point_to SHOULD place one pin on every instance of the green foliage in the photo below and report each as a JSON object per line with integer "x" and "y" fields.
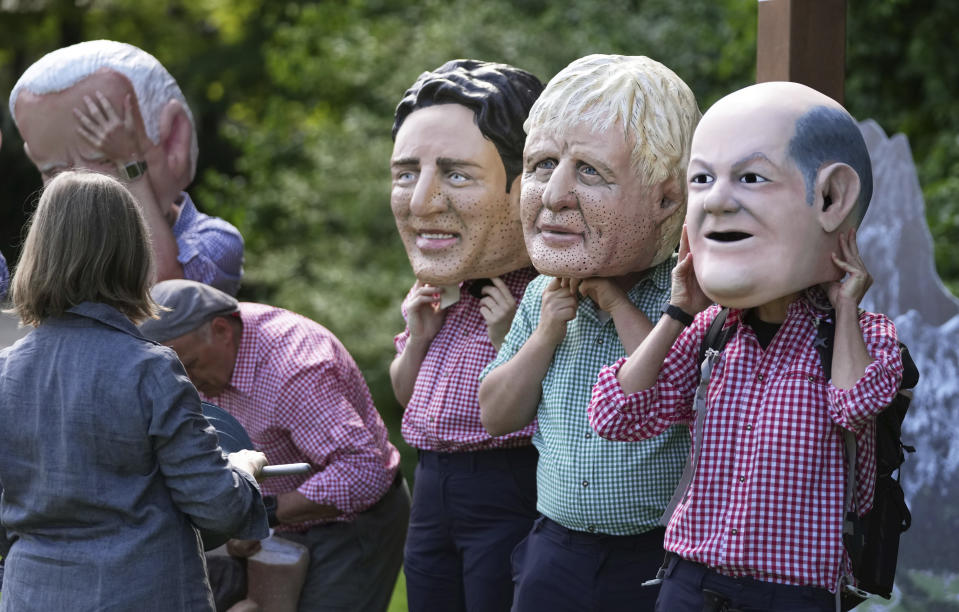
{"x": 901, "y": 72}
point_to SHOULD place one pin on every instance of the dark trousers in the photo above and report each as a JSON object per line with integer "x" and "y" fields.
{"x": 559, "y": 569}
{"x": 691, "y": 587}
{"x": 469, "y": 512}
{"x": 354, "y": 565}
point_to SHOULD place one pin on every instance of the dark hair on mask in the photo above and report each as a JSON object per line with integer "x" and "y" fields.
{"x": 499, "y": 95}
{"x": 825, "y": 135}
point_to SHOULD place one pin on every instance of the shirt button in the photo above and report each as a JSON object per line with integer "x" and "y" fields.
{"x": 591, "y": 529}
{"x": 760, "y": 377}
{"x": 432, "y": 420}
{"x": 599, "y": 341}
{"x": 585, "y": 483}
{"x": 589, "y": 434}
{"x": 466, "y": 332}
{"x": 734, "y": 531}
{"x": 749, "y": 427}
{"x": 810, "y": 379}
{"x": 742, "y": 479}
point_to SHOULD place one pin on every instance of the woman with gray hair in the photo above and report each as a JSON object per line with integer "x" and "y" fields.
{"x": 108, "y": 465}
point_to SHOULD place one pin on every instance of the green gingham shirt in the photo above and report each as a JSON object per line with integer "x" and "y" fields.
{"x": 584, "y": 482}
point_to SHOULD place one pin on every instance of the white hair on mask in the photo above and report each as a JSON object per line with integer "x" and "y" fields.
{"x": 152, "y": 85}
{"x": 653, "y": 106}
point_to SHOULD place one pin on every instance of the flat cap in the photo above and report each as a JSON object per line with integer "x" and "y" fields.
{"x": 191, "y": 304}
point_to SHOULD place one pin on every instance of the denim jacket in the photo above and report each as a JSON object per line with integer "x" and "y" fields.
{"x": 108, "y": 468}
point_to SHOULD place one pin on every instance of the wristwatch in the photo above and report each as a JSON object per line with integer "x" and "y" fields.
{"x": 132, "y": 170}
{"x": 675, "y": 312}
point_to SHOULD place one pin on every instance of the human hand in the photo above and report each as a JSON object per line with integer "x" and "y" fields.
{"x": 686, "y": 292}
{"x": 243, "y": 548}
{"x": 115, "y": 137}
{"x": 559, "y": 307}
{"x": 606, "y": 293}
{"x": 424, "y": 317}
{"x": 849, "y": 291}
{"x": 498, "y": 307}
{"x": 250, "y": 461}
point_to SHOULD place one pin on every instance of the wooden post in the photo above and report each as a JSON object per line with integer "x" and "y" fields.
{"x": 803, "y": 41}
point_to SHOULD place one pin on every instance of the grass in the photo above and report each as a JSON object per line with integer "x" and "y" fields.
{"x": 398, "y": 601}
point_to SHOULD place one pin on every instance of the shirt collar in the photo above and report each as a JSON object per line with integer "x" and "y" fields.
{"x": 660, "y": 276}
{"x": 108, "y": 315}
{"x": 516, "y": 280}
{"x": 813, "y": 303}
{"x": 187, "y": 214}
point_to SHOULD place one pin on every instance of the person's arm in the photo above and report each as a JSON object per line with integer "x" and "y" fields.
{"x": 330, "y": 419}
{"x": 117, "y": 140}
{"x": 294, "y": 507}
{"x": 850, "y": 356}
{"x": 641, "y": 369}
{"x": 219, "y": 495}
{"x": 510, "y": 394}
{"x": 632, "y": 326}
{"x": 424, "y": 321}
{"x": 498, "y": 307}
{"x": 866, "y": 362}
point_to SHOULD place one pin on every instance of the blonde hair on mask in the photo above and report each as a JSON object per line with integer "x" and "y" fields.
{"x": 87, "y": 242}
{"x": 654, "y": 107}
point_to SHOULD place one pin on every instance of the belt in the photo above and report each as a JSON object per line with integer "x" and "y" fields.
{"x": 480, "y": 460}
{"x": 653, "y": 537}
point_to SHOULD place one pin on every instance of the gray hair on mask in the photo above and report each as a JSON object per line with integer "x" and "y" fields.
{"x": 152, "y": 84}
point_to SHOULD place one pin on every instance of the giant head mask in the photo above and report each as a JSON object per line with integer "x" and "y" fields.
{"x": 603, "y": 189}
{"x": 43, "y": 99}
{"x": 456, "y": 162}
{"x": 777, "y": 171}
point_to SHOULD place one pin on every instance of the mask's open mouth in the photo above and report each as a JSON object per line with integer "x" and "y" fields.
{"x": 728, "y": 236}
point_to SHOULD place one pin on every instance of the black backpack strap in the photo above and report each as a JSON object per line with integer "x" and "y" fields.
{"x": 713, "y": 344}
{"x": 716, "y": 337}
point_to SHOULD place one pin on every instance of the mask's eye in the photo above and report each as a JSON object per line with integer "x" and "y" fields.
{"x": 752, "y": 177}
{"x": 405, "y": 176}
{"x": 546, "y": 165}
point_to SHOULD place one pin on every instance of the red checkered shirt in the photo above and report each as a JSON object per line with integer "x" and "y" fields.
{"x": 766, "y": 500}
{"x": 301, "y": 397}
{"x": 443, "y": 414}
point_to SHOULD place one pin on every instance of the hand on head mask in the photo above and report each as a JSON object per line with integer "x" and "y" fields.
{"x": 849, "y": 291}
{"x": 115, "y": 137}
{"x": 686, "y": 292}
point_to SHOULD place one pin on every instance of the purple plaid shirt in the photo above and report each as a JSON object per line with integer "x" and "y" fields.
{"x": 4, "y": 277}
{"x": 210, "y": 249}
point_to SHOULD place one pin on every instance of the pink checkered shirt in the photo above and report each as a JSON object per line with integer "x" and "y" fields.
{"x": 300, "y": 396}
{"x": 766, "y": 500}
{"x": 443, "y": 414}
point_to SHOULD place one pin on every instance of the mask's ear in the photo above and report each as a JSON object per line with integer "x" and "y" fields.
{"x": 836, "y": 191}
{"x": 176, "y": 137}
{"x": 671, "y": 200}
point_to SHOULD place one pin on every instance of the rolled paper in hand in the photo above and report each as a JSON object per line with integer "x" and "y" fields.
{"x": 285, "y": 469}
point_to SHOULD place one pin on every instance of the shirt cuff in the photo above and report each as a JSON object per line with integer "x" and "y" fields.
{"x": 872, "y": 392}
{"x": 609, "y": 404}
